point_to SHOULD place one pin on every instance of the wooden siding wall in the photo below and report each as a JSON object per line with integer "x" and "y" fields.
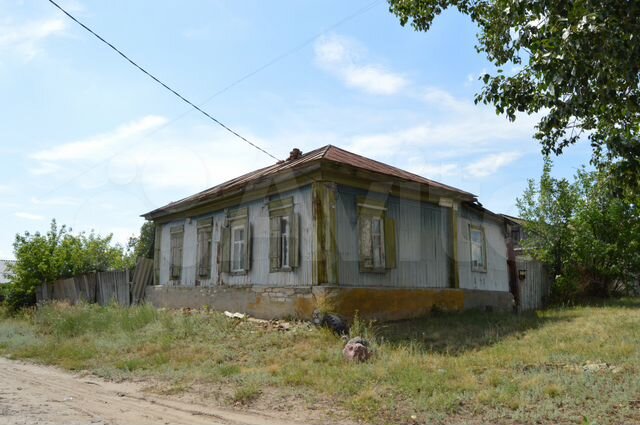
{"x": 423, "y": 243}
{"x": 259, "y": 273}
{"x": 496, "y": 278}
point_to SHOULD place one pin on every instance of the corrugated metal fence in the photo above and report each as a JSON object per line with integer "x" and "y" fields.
{"x": 534, "y": 284}
{"x": 103, "y": 288}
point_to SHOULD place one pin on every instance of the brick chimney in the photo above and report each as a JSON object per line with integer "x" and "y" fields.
{"x": 294, "y": 154}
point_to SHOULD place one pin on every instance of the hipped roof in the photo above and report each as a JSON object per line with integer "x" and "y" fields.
{"x": 327, "y": 153}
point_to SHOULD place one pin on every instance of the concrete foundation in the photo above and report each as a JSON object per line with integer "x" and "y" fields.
{"x": 371, "y": 303}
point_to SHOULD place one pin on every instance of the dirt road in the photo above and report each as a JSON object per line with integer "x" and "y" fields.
{"x": 39, "y": 395}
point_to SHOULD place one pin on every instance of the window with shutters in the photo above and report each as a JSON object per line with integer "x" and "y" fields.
{"x": 236, "y": 242}
{"x": 283, "y": 236}
{"x": 177, "y": 238}
{"x": 377, "y": 237}
{"x": 478, "y": 249}
{"x": 238, "y": 260}
{"x": 205, "y": 230}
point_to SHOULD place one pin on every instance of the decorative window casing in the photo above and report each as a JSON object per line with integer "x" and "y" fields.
{"x": 377, "y": 237}
{"x": 236, "y": 243}
{"x": 284, "y": 240}
{"x": 478, "y": 246}
{"x": 177, "y": 241}
{"x": 204, "y": 245}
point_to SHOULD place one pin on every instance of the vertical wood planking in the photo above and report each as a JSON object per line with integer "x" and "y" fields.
{"x": 423, "y": 239}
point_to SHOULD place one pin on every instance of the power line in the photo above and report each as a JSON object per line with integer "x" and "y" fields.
{"x": 196, "y": 107}
{"x": 234, "y": 83}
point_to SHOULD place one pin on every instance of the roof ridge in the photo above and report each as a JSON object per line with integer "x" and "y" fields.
{"x": 399, "y": 169}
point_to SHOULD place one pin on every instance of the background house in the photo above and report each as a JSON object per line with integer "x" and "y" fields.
{"x": 4, "y": 278}
{"x": 330, "y": 229}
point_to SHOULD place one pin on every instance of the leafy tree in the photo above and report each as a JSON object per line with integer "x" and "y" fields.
{"x": 141, "y": 246}
{"x": 57, "y": 254}
{"x": 579, "y": 66}
{"x": 587, "y": 232}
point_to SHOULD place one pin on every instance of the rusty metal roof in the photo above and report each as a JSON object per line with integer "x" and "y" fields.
{"x": 327, "y": 153}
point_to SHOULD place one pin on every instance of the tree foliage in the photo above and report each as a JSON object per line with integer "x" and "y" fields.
{"x": 579, "y": 66}
{"x": 142, "y": 246}
{"x": 57, "y": 254}
{"x": 587, "y": 232}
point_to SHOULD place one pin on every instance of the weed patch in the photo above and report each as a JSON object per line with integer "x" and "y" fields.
{"x": 554, "y": 366}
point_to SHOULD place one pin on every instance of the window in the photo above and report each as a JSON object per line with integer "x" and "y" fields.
{"x": 285, "y": 232}
{"x": 377, "y": 245}
{"x": 204, "y": 248}
{"x": 177, "y": 238}
{"x": 377, "y": 237}
{"x": 236, "y": 243}
{"x": 238, "y": 260}
{"x": 478, "y": 249}
{"x": 283, "y": 236}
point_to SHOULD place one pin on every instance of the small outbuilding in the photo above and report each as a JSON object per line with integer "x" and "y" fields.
{"x": 332, "y": 230}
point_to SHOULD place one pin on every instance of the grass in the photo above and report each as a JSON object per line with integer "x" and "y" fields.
{"x": 577, "y": 365}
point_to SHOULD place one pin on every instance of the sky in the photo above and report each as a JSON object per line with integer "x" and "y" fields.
{"x": 87, "y": 139}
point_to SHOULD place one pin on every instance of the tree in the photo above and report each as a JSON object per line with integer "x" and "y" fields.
{"x": 580, "y": 68}
{"x": 587, "y": 232}
{"x": 57, "y": 254}
{"x": 141, "y": 246}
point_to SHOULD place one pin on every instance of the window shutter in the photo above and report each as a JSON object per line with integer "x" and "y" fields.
{"x": 247, "y": 247}
{"x": 174, "y": 250}
{"x": 208, "y": 243}
{"x": 274, "y": 243}
{"x": 225, "y": 241}
{"x": 366, "y": 255}
{"x": 200, "y": 252}
{"x": 390, "y": 243}
{"x": 294, "y": 240}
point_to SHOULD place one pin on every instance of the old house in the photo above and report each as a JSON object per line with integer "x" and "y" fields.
{"x": 333, "y": 230}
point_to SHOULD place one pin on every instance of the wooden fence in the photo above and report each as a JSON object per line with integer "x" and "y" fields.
{"x": 103, "y": 288}
{"x": 534, "y": 284}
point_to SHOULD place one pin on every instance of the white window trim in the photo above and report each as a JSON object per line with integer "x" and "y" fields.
{"x": 483, "y": 248}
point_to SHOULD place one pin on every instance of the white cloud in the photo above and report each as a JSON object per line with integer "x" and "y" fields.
{"x": 486, "y": 166}
{"x": 343, "y": 58}
{"x": 29, "y": 216}
{"x": 56, "y": 201}
{"x": 185, "y": 159}
{"x": 445, "y": 100}
{"x": 454, "y": 136}
{"x": 25, "y": 38}
{"x": 6, "y": 189}
{"x": 43, "y": 168}
{"x": 98, "y": 146}
{"x": 490, "y": 164}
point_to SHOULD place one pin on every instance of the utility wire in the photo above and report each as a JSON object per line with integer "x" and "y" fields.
{"x": 187, "y": 101}
{"x": 246, "y": 76}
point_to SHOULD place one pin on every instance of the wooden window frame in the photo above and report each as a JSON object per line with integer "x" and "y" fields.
{"x": 238, "y": 264}
{"x": 204, "y": 247}
{"x": 281, "y": 210}
{"x": 369, "y": 211}
{"x": 483, "y": 248}
{"x": 238, "y": 218}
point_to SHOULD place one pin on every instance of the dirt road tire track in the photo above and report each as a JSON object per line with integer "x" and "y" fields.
{"x": 40, "y": 395}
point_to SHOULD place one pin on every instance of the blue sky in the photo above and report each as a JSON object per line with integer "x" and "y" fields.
{"x": 89, "y": 140}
